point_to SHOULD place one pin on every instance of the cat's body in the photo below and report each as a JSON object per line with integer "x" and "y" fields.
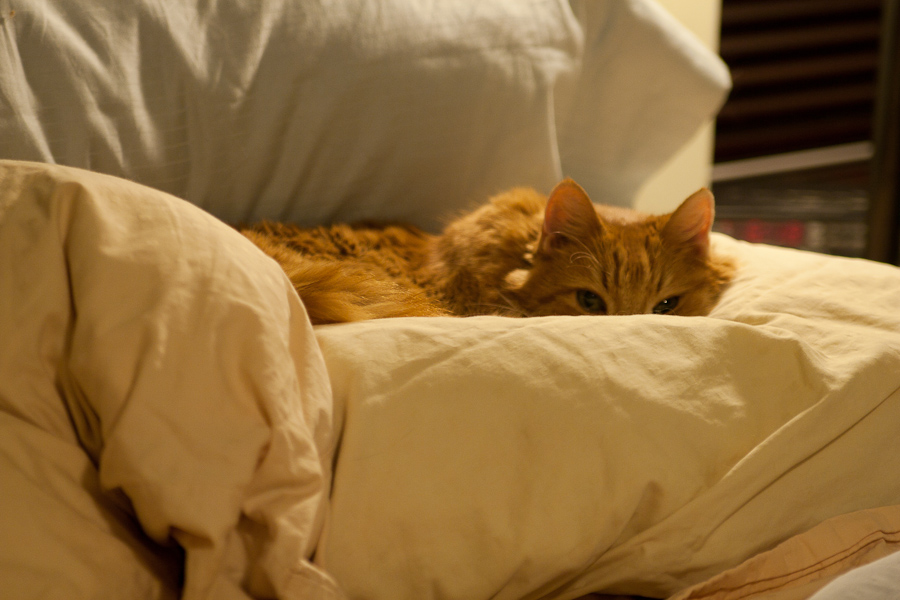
{"x": 521, "y": 254}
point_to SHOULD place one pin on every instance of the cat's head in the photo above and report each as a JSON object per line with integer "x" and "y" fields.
{"x": 599, "y": 260}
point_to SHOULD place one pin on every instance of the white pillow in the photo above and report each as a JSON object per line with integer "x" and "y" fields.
{"x": 876, "y": 581}
{"x": 316, "y": 111}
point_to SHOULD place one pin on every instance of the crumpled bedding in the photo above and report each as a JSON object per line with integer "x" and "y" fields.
{"x": 633, "y": 455}
{"x": 854, "y": 556}
{"x": 160, "y": 386}
{"x": 170, "y": 423}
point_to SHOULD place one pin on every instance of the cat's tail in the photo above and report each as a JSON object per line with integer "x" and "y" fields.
{"x": 339, "y": 292}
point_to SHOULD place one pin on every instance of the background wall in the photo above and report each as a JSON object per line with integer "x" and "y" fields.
{"x": 691, "y": 168}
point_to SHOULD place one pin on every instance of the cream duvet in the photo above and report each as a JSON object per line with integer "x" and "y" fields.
{"x": 171, "y": 425}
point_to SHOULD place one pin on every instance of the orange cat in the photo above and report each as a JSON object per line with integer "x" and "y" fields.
{"x": 521, "y": 254}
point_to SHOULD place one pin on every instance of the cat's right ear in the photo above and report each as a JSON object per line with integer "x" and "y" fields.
{"x": 690, "y": 224}
{"x": 570, "y": 215}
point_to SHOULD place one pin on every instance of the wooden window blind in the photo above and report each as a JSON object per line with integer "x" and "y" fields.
{"x": 804, "y": 75}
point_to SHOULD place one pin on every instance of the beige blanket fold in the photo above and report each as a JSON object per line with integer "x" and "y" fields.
{"x": 159, "y": 383}
{"x": 548, "y": 458}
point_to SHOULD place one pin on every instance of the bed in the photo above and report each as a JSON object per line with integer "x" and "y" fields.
{"x": 171, "y": 425}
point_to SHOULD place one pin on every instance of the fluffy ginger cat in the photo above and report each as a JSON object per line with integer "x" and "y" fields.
{"x": 521, "y": 254}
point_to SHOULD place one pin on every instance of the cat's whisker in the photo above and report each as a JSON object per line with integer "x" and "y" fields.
{"x": 508, "y": 310}
{"x": 583, "y": 245}
{"x": 512, "y": 305}
{"x": 504, "y": 311}
{"x": 576, "y": 256}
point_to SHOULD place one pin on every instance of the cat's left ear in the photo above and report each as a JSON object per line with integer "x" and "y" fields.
{"x": 691, "y": 222}
{"x": 570, "y": 215}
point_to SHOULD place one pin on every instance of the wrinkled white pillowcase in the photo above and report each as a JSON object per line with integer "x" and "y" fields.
{"x": 315, "y": 111}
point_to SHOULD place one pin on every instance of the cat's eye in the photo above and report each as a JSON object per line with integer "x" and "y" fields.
{"x": 590, "y": 302}
{"x": 666, "y": 306}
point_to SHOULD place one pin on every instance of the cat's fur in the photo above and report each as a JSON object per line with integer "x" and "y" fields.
{"x": 521, "y": 254}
